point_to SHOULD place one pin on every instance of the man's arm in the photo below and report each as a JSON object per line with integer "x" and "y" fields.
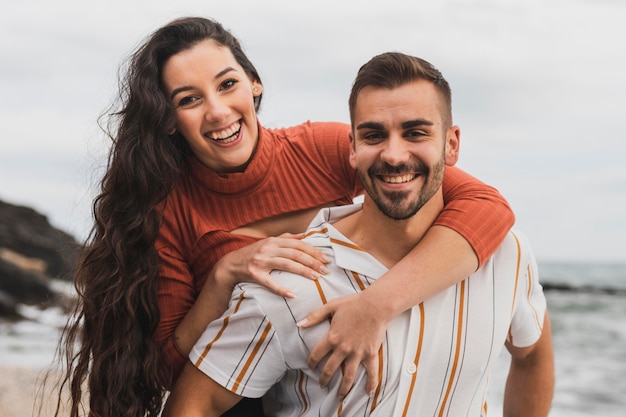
{"x": 197, "y": 395}
{"x": 530, "y": 384}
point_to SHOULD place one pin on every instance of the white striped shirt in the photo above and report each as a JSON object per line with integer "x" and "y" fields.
{"x": 435, "y": 359}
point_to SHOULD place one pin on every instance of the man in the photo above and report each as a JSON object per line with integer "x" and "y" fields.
{"x": 436, "y": 357}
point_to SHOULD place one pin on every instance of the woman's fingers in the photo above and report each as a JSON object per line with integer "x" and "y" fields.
{"x": 254, "y": 262}
{"x": 273, "y": 286}
{"x": 287, "y": 254}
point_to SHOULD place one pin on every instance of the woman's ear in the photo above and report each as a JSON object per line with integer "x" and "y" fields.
{"x": 171, "y": 127}
{"x": 257, "y": 88}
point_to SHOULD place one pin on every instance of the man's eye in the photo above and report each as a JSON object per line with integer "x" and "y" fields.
{"x": 415, "y": 134}
{"x": 373, "y": 136}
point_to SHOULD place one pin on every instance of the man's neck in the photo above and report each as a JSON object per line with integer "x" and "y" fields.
{"x": 386, "y": 239}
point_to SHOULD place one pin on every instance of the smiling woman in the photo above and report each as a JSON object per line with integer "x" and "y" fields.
{"x": 199, "y": 196}
{"x": 214, "y": 102}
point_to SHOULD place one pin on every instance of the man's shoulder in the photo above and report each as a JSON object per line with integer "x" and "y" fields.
{"x": 515, "y": 251}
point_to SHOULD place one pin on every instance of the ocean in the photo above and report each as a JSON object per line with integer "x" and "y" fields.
{"x": 587, "y": 304}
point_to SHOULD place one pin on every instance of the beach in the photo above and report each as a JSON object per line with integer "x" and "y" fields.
{"x": 18, "y": 390}
{"x": 27, "y": 350}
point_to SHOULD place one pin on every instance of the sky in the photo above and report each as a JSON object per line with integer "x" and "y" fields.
{"x": 539, "y": 93}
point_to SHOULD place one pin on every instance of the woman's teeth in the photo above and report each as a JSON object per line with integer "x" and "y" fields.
{"x": 227, "y": 135}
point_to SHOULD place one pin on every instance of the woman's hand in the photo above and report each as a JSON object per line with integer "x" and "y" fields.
{"x": 254, "y": 262}
{"x": 357, "y": 328}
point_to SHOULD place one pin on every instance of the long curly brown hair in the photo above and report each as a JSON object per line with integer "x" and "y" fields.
{"x": 111, "y": 360}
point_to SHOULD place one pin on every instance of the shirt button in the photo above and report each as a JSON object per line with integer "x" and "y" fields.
{"x": 411, "y": 368}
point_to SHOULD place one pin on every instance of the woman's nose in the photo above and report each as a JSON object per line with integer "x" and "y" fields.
{"x": 216, "y": 110}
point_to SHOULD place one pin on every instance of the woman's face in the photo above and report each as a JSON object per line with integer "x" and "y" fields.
{"x": 214, "y": 102}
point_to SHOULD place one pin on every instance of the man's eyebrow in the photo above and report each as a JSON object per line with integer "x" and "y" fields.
{"x": 405, "y": 125}
{"x": 188, "y": 87}
{"x": 370, "y": 125}
{"x": 416, "y": 123}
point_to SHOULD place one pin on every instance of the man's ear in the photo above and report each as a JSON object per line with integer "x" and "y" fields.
{"x": 453, "y": 139}
{"x": 352, "y": 150}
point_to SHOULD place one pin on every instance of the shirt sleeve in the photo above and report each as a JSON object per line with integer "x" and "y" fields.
{"x": 475, "y": 210}
{"x": 241, "y": 350}
{"x": 530, "y": 302}
{"x": 176, "y": 294}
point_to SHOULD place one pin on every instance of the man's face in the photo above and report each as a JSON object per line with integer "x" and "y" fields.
{"x": 400, "y": 146}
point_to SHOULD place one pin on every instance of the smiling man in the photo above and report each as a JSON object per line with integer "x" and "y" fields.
{"x": 436, "y": 357}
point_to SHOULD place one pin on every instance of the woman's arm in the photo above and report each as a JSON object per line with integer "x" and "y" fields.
{"x": 472, "y": 225}
{"x": 185, "y": 314}
{"x": 196, "y": 394}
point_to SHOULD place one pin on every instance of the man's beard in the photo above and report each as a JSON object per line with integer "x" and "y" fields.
{"x": 399, "y": 205}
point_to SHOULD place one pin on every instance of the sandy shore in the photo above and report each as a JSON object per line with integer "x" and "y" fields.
{"x": 19, "y": 389}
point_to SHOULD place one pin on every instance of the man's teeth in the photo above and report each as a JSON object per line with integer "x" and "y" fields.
{"x": 398, "y": 179}
{"x": 222, "y": 135}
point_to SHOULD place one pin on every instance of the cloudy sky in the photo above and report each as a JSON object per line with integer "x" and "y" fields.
{"x": 539, "y": 92}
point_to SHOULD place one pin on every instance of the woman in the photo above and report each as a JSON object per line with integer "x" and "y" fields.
{"x": 195, "y": 191}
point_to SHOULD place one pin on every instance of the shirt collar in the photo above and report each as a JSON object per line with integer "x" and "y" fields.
{"x": 348, "y": 255}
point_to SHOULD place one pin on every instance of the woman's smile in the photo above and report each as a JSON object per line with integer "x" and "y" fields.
{"x": 227, "y": 135}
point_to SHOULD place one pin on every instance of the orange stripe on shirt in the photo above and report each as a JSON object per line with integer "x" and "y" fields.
{"x": 219, "y": 334}
{"x": 415, "y": 361}
{"x": 320, "y": 291}
{"x": 252, "y": 356}
{"x": 302, "y": 393}
{"x": 347, "y": 244}
{"x": 519, "y": 261}
{"x": 457, "y": 350}
{"x": 358, "y": 280}
{"x": 530, "y": 291}
{"x": 317, "y": 232}
{"x": 380, "y": 379}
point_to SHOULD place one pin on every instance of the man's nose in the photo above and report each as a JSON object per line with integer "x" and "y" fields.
{"x": 395, "y": 151}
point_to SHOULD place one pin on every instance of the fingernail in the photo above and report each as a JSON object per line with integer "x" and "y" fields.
{"x": 290, "y": 295}
{"x": 325, "y": 258}
{"x": 324, "y": 270}
{"x": 371, "y": 394}
{"x": 302, "y": 322}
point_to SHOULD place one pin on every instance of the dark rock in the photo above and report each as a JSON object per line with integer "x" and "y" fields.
{"x": 8, "y": 306}
{"x": 28, "y": 233}
{"x": 27, "y": 286}
{"x": 32, "y": 253}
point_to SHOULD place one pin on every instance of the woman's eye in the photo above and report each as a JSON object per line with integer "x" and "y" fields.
{"x": 227, "y": 84}
{"x": 186, "y": 101}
